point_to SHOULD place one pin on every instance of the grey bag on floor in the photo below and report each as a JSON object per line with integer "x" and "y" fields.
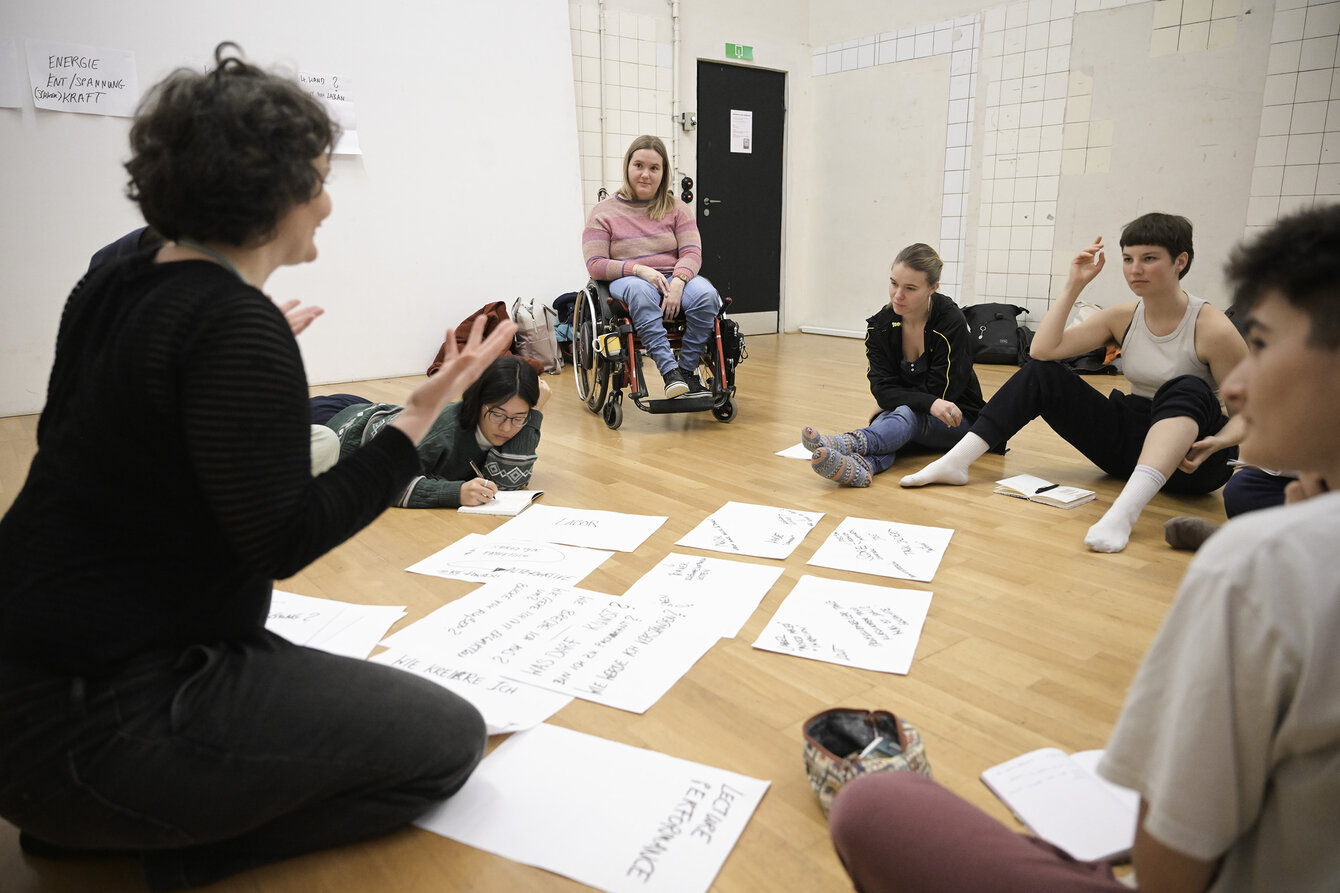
{"x": 535, "y": 335}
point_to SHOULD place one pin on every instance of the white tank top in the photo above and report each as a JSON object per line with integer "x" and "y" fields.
{"x": 1149, "y": 360}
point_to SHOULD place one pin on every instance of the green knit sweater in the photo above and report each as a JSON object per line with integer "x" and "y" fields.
{"x": 445, "y": 453}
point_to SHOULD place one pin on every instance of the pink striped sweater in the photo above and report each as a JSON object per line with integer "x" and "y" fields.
{"x": 620, "y": 235}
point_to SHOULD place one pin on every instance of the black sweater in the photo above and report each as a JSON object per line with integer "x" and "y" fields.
{"x": 172, "y": 481}
{"x": 948, "y": 353}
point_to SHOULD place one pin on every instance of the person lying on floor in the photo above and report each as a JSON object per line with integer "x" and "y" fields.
{"x": 484, "y": 443}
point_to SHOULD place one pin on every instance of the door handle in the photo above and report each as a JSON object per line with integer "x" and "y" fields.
{"x": 712, "y": 201}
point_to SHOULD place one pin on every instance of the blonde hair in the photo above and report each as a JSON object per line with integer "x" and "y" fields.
{"x": 922, "y": 258}
{"x": 662, "y": 202}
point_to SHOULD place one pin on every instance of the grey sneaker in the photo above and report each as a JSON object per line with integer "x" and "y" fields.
{"x": 675, "y": 385}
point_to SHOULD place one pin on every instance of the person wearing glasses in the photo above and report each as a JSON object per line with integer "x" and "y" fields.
{"x": 482, "y": 444}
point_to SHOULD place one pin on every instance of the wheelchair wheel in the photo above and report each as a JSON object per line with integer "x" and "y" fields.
{"x": 613, "y": 415}
{"x": 724, "y": 411}
{"x": 589, "y": 367}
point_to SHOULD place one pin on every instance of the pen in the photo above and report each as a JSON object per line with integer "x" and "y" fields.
{"x": 1045, "y": 489}
{"x": 479, "y": 474}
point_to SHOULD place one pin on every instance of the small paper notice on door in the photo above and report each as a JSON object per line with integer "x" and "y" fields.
{"x": 741, "y": 131}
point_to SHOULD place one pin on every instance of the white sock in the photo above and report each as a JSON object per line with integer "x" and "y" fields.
{"x": 1113, "y": 530}
{"x": 952, "y": 467}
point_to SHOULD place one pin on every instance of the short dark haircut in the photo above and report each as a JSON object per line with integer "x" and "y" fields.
{"x": 505, "y": 378}
{"x": 1299, "y": 259}
{"x": 221, "y": 157}
{"x": 1170, "y": 231}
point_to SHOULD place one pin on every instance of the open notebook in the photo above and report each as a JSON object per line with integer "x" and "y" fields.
{"x": 506, "y": 502}
{"x": 1063, "y": 800}
{"x": 1035, "y": 489}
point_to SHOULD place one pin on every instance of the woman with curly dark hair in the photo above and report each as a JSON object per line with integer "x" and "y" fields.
{"x": 143, "y": 705}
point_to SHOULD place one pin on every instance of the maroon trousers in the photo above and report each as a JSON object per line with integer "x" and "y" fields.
{"x": 899, "y": 832}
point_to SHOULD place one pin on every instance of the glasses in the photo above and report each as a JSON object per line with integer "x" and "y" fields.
{"x": 501, "y": 418}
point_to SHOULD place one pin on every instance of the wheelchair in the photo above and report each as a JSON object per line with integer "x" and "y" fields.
{"x": 607, "y": 358}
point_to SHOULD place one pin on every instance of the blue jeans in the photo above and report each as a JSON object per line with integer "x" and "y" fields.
{"x": 225, "y": 757}
{"x": 699, "y": 305}
{"x": 894, "y": 429}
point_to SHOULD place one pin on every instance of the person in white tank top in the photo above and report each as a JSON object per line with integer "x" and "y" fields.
{"x": 1176, "y": 349}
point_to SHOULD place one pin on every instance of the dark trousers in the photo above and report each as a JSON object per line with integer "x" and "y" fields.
{"x": 219, "y": 759}
{"x": 326, "y": 408}
{"x": 1110, "y": 431}
{"x": 900, "y": 832}
{"x": 1252, "y": 489}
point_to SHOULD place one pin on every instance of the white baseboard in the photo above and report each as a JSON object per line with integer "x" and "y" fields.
{"x": 841, "y": 333}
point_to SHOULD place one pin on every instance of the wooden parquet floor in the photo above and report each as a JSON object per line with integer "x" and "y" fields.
{"x": 1031, "y": 640}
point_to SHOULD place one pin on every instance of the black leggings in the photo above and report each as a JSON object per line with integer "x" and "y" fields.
{"x": 1110, "y": 431}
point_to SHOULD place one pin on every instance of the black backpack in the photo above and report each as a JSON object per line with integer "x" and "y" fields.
{"x": 997, "y": 334}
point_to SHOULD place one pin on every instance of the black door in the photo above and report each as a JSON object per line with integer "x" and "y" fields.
{"x": 739, "y": 185}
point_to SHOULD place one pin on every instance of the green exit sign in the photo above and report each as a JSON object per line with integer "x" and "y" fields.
{"x": 739, "y": 51}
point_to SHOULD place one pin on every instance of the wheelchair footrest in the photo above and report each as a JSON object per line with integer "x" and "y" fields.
{"x": 687, "y": 403}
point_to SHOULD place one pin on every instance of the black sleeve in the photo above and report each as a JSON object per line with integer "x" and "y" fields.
{"x": 246, "y": 416}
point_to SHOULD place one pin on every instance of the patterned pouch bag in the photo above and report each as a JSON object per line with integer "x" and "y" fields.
{"x": 843, "y": 743}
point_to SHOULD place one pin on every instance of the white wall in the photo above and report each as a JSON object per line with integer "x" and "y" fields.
{"x": 1082, "y": 115}
{"x": 881, "y": 184}
{"x": 468, "y": 190}
{"x": 1184, "y": 136}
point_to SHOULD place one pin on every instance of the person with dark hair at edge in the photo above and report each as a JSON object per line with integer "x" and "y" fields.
{"x": 1231, "y": 729}
{"x": 494, "y": 428}
{"x": 1170, "y": 432}
{"x": 144, "y": 707}
{"x": 644, "y": 242}
{"x": 919, "y": 356}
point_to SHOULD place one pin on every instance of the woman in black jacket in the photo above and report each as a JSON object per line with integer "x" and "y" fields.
{"x": 920, "y": 373}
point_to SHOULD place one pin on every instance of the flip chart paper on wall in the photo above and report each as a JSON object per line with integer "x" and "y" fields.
{"x": 482, "y": 558}
{"x": 11, "y": 79}
{"x": 581, "y": 527}
{"x": 506, "y": 705}
{"x": 853, "y": 624}
{"x": 338, "y": 627}
{"x": 905, "y": 551}
{"x": 615, "y": 817}
{"x": 729, "y": 590}
{"x": 73, "y": 77}
{"x": 745, "y": 529}
{"x": 335, "y": 93}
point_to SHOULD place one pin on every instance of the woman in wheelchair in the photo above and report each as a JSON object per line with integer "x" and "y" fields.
{"x": 493, "y": 429}
{"x": 920, "y": 356}
{"x": 644, "y": 243}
